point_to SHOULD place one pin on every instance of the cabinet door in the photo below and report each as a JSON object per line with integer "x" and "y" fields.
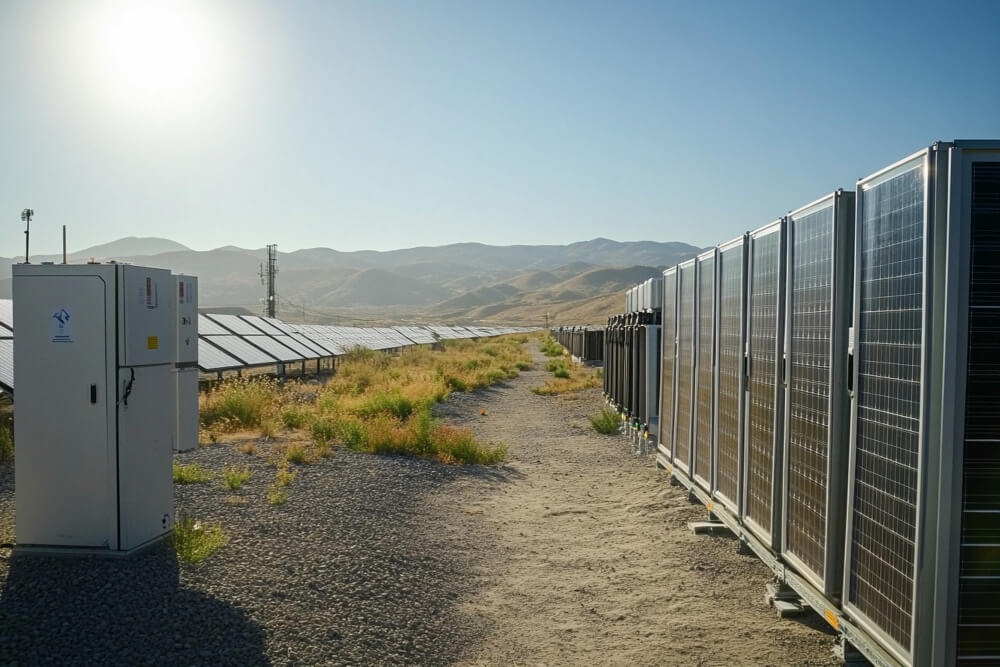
{"x": 64, "y": 463}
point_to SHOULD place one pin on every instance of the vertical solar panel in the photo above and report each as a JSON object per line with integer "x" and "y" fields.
{"x": 667, "y": 360}
{"x": 763, "y": 332}
{"x": 979, "y": 570}
{"x": 729, "y": 420}
{"x": 810, "y": 319}
{"x": 888, "y": 329}
{"x": 685, "y": 365}
{"x": 705, "y": 372}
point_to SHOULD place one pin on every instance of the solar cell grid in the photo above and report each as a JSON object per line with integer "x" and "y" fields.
{"x": 209, "y": 327}
{"x": 685, "y": 365}
{"x": 234, "y": 324}
{"x": 7, "y": 313}
{"x": 263, "y": 325}
{"x": 7, "y": 364}
{"x": 978, "y": 634}
{"x": 667, "y": 362}
{"x": 810, "y": 319}
{"x": 235, "y": 346}
{"x": 765, "y": 268}
{"x": 890, "y": 242}
{"x": 706, "y": 371}
{"x": 730, "y": 370}
{"x": 211, "y": 358}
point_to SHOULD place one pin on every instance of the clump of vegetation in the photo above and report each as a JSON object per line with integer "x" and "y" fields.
{"x": 195, "y": 541}
{"x": 6, "y": 440}
{"x": 235, "y": 477}
{"x": 238, "y": 404}
{"x": 567, "y": 378}
{"x": 190, "y": 474}
{"x": 295, "y": 416}
{"x": 296, "y": 454}
{"x": 550, "y": 348}
{"x": 607, "y": 421}
{"x": 248, "y": 448}
{"x": 277, "y": 496}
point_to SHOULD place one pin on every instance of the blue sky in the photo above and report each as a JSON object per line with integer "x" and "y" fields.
{"x": 391, "y": 124}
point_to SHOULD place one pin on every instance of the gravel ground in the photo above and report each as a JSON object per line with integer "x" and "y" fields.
{"x": 574, "y": 551}
{"x": 353, "y": 569}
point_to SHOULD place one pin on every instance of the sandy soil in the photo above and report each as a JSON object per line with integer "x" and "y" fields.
{"x": 589, "y": 557}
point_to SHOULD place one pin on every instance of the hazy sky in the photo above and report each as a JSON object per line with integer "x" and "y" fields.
{"x": 383, "y": 124}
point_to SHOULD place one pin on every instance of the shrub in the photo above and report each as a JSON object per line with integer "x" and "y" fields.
{"x": 234, "y": 478}
{"x": 392, "y": 403}
{"x": 550, "y": 348}
{"x": 284, "y": 477}
{"x": 239, "y": 403}
{"x": 561, "y": 373}
{"x": 277, "y": 496}
{"x": 294, "y": 417}
{"x": 248, "y": 448}
{"x": 190, "y": 474}
{"x": 606, "y": 421}
{"x": 195, "y": 541}
{"x": 296, "y": 454}
{"x": 323, "y": 431}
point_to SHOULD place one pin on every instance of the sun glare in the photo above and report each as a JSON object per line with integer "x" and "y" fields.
{"x": 155, "y": 57}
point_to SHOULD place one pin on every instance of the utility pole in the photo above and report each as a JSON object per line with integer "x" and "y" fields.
{"x": 26, "y": 216}
{"x": 268, "y": 271}
{"x": 546, "y": 321}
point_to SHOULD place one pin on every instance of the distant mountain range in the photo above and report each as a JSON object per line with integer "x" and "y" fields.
{"x": 458, "y": 282}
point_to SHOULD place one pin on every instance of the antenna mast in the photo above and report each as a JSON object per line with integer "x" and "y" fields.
{"x": 268, "y": 271}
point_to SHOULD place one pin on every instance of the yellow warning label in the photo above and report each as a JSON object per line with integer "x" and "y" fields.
{"x": 831, "y": 618}
{"x": 152, "y": 342}
{"x": 710, "y": 506}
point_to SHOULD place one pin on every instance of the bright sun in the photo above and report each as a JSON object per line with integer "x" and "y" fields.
{"x": 155, "y": 56}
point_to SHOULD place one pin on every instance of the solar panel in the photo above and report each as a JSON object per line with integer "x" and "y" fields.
{"x": 764, "y": 333}
{"x": 888, "y": 330}
{"x": 279, "y": 325}
{"x": 7, "y": 313}
{"x": 237, "y": 347}
{"x": 234, "y": 324}
{"x": 7, "y": 364}
{"x": 667, "y": 360}
{"x": 317, "y": 350}
{"x": 299, "y": 348}
{"x": 810, "y": 322}
{"x": 210, "y": 328}
{"x": 263, "y": 325}
{"x": 705, "y": 352}
{"x": 211, "y": 358}
{"x": 729, "y": 419}
{"x": 685, "y": 365}
{"x": 978, "y": 635}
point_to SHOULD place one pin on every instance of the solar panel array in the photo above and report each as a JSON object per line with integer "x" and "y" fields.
{"x": 810, "y": 321}
{"x": 685, "y": 364}
{"x": 729, "y": 425}
{"x": 668, "y": 360}
{"x": 763, "y": 332}
{"x": 704, "y": 415}
{"x": 233, "y": 342}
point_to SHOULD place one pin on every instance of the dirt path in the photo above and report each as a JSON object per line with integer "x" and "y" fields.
{"x": 590, "y": 558}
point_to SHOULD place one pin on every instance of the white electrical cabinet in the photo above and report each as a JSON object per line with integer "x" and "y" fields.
{"x": 186, "y": 371}
{"x": 96, "y": 406}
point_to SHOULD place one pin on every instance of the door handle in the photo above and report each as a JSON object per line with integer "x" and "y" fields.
{"x": 93, "y": 393}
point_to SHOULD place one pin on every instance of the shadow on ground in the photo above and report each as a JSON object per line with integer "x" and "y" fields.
{"x": 63, "y": 610}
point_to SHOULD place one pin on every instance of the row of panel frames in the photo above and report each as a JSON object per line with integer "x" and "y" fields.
{"x": 851, "y": 452}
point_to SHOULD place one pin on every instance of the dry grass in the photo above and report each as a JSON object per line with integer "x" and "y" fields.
{"x": 567, "y": 378}
{"x": 377, "y": 403}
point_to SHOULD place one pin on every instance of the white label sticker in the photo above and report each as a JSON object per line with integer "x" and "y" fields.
{"x": 62, "y": 325}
